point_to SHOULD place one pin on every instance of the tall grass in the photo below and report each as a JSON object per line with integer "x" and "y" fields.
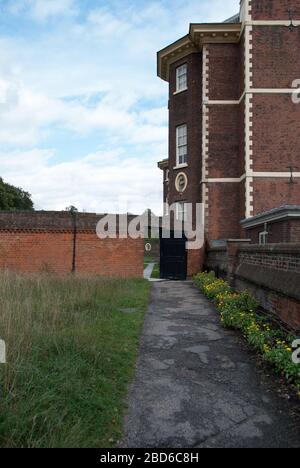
{"x": 71, "y": 349}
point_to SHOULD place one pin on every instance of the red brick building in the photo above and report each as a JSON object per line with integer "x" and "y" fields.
{"x": 234, "y": 129}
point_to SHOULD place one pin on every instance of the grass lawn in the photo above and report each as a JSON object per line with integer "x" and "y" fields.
{"x": 71, "y": 349}
{"x": 156, "y": 271}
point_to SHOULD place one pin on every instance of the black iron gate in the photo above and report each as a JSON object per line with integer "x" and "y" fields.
{"x": 173, "y": 258}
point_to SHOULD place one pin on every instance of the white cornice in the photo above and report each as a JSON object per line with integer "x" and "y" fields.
{"x": 276, "y": 215}
{"x": 200, "y": 34}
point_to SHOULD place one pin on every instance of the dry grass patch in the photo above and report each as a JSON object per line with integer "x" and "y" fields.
{"x": 71, "y": 351}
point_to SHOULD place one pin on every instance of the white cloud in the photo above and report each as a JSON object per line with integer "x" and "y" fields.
{"x": 100, "y": 182}
{"x": 25, "y": 117}
{"x": 41, "y": 10}
{"x": 90, "y": 72}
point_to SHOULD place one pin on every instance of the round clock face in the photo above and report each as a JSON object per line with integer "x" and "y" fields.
{"x": 181, "y": 182}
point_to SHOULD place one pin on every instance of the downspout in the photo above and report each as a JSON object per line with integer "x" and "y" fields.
{"x": 74, "y": 217}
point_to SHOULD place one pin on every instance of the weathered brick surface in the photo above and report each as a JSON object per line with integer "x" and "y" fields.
{"x": 186, "y": 108}
{"x": 271, "y": 273}
{"x": 278, "y": 261}
{"x": 224, "y": 142}
{"x": 224, "y": 213}
{"x": 276, "y": 130}
{"x": 275, "y": 123}
{"x": 224, "y": 69}
{"x": 271, "y": 193}
{"x": 195, "y": 261}
{"x": 276, "y": 56}
{"x": 286, "y": 308}
{"x": 48, "y": 246}
{"x": 274, "y": 9}
{"x": 285, "y": 231}
{"x": 217, "y": 260}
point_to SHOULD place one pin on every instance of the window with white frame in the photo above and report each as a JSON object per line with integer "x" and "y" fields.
{"x": 181, "y": 144}
{"x": 181, "y": 78}
{"x": 263, "y": 238}
{"x": 181, "y": 211}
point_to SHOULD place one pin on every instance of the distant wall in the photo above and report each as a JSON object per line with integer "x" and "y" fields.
{"x": 44, "y": 242}
{"x": 154, "y": 253}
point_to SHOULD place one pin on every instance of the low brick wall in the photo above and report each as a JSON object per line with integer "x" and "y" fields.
{"x": 195, "y": 259}
{"x": 44, "y": 242}
{"x": 271, "y": 273}
{"x": 217, "y": 260}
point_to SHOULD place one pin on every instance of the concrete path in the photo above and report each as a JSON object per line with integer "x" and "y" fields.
{"x": 148, "y": 271}
{"x": 198, "y": 385}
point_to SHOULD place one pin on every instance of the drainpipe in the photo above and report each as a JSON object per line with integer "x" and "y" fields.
{"x": 74, "y": 217}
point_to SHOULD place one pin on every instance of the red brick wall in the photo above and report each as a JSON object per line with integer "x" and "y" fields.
{"x": 295, "y": 231}
{"x": 195, "y": 261}
{"x": 276, "y": 130}
{"x": 34, "y": 252}
{"x": 224, "y": 213}
{"x": 224, "y": 142}
{"x": 285, "y": 231}
{"x": 276, "y": 56}
{"x": 274, "y": 9}
{"x": 273, "y": 193}
{"x": 271, "y": 273}
{"x": 186, "y": 108}
{"x": 224, "y": 69}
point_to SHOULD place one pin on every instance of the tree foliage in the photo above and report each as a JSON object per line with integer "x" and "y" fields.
{"x": 14, "y": 198}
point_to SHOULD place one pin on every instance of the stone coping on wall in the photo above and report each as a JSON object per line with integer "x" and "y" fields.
{"x": 217, "y": 249}
{"x": 49, "y": 221}
{"x": 271, "y": 248}
{"x": 283, "y": 282}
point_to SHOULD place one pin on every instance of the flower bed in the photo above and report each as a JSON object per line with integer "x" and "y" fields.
{"x": 239, "y": 311}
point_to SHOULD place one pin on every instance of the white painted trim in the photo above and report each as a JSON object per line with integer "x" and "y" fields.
{"x": 251, "y": 91}
{"x": 180, "y": 91}
{"x": 245, "y": 11}
{"x": 248, "y": 115}
{"x": 273, "y": 90}
{"x": 221, "y": 103}
{"x": 181, "y": 174}
{"x": 250, "y": 175}
{"x": 271, "y": 23}
{"x": 279, "y": 175}
{"x": 223, "y": 180}
{"x": 205, "y": 133}
{"x": 180, "y": 166}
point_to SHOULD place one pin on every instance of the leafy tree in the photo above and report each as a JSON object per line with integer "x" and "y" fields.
{"x": 14, "y": 198}
{"x": 72, "y": 209}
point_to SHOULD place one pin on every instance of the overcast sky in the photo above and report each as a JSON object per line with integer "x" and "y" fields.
{"x": 83, "y": 117}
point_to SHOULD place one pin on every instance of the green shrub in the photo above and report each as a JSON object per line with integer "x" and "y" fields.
{"x": 210, "y": 285}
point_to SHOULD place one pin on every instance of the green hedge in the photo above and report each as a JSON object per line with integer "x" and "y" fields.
{"x": 239, "y": 311}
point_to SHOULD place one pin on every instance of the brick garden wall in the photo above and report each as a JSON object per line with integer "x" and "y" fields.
{"x": 271, "y": 273}
{"x": 48, "y": 246}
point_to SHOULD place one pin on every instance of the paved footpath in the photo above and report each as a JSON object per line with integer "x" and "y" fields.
{"x": 197, "y": 385}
